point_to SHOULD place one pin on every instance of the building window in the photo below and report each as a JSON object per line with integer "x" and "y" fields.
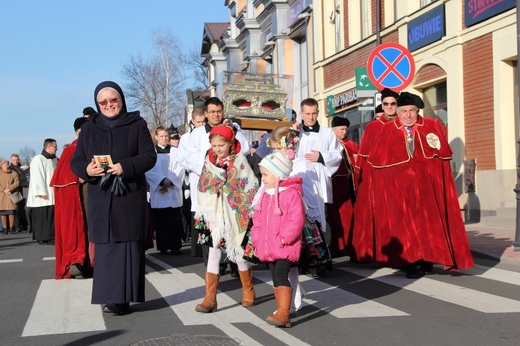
{"x": 436, "y": 104}
{"x": 366, "y": 18}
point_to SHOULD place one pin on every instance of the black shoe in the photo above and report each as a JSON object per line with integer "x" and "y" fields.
{"x": 50, "y": 242}
{"x": 414, "y": 272}
{"x": 321, "y": 270}
{"x": 6, "y": 231}
{"x": 427, "y": 267}
{"x": 122, "y": 309}
{"x": 110, "y": 308}
{"x": 176, "y": 252}
{"x": 117, "y": 309}
{"x": 41, "y": 242}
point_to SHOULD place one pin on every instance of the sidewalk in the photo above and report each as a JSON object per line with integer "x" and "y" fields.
{"x": 493, "y": 242}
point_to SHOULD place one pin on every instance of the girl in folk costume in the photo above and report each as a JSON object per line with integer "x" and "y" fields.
{"x": 226, "y": 189}
{"x": 277, "y": 227}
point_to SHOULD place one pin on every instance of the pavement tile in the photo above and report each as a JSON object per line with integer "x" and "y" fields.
{"x": 493, "y": 242}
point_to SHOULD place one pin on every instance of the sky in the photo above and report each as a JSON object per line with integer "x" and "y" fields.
{"x": 54, "y": 53}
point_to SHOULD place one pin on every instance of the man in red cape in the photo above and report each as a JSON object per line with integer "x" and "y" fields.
{"x": 418, "y": 220}
{"x": 71, "y": 241}
{"x": 364, "y": 209}
{"x": 341, "y": 211}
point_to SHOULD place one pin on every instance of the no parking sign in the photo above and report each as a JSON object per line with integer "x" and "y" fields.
{"x": 391, "y": 65}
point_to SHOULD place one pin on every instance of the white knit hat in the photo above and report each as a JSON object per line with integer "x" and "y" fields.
{"x": 278, "y": 164}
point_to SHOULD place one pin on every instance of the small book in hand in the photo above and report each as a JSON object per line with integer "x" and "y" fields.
{"x": 104, "y": 161}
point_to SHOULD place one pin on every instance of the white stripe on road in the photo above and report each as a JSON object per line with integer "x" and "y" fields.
{"x": 63, "y": 306}
{"x": 11, "y": 260}
{"x": 49, "y": 258}
{"x": 341, "y": 304}
{"x": 182, "y": 299}
{"x": 458, "y": 295}
{"x": 495, "y": 274}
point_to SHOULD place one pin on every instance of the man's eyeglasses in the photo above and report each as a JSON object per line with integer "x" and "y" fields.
{"x": 216, "y": 112}
{"x": 107, "y": 101}
{"x": 386, "y": 104}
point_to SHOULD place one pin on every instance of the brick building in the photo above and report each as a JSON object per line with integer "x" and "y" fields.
{"x": 465, "y": 54}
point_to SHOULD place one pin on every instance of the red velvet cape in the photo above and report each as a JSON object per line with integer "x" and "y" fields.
{"x": 363, "y": 232}
{"x": 69, "y": 224}
{"x": 418, "y": 213}
{"x": 341, "y": 211}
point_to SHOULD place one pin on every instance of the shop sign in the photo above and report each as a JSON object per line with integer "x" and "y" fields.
{"x": 476, "y": 11}
{"x": 334, "y": 102}
{"x": 426, "y": 29}
{"x": 364, "y": 86}
{"x": 296, "y": 9}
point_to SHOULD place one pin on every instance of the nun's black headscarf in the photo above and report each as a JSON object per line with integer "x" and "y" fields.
{"x": 112, "y": 85}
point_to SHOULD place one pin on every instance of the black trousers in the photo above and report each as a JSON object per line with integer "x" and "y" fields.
{"x": 168, "y": 228}
{"x": 20, "y": 219}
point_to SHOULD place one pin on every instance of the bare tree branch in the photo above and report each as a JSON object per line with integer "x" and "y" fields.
{"x": 26, "y": 154}
{"x": 156, "y": 86}
{"x": 195, "y": 64}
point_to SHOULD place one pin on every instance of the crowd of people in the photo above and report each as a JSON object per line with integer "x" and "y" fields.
{"x": 299, "y": 197}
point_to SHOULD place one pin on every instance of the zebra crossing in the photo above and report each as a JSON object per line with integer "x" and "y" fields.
{"x": 63, "y": 306}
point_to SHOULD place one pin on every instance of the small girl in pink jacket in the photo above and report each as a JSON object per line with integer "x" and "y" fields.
{"x": 277, "y": 228}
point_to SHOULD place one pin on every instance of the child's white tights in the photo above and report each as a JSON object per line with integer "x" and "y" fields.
{"x": 214, "y": 257}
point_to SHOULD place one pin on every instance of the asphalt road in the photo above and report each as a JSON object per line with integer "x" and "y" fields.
{"x": 351, "y": 305}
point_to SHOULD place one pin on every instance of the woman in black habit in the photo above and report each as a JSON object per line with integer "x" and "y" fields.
{"x": 117, "y": 213}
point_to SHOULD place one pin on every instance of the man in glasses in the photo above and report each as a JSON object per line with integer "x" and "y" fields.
{"x": 389, "y": 103}
{"x": 418, "y": 220}
{"x": 363, "y": 209}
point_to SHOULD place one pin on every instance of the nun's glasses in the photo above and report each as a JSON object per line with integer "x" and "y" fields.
{"x": 107, "y": 101}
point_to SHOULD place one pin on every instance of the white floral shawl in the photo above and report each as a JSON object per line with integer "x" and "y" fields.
{"x": 224, "y": 202}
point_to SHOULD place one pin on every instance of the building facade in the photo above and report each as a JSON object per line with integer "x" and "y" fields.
{"x": 465, "y": 55}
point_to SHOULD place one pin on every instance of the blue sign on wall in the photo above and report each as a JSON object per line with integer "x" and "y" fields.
{"x": 478, "y": 10}
{"x": 428, "y": 28}
{"x": 296, "y": 9}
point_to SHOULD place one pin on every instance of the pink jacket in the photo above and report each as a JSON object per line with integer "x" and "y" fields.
{"x": 278, "y": 237}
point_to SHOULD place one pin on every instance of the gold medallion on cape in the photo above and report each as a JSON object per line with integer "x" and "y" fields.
{"x": 433, "y": 141}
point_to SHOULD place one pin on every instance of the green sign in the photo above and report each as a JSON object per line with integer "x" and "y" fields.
{"x": 330, "y": 105}
{"x": 364, "y": 86}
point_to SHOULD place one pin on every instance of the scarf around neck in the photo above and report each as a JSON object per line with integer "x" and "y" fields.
{"x": 224, "y": 202}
